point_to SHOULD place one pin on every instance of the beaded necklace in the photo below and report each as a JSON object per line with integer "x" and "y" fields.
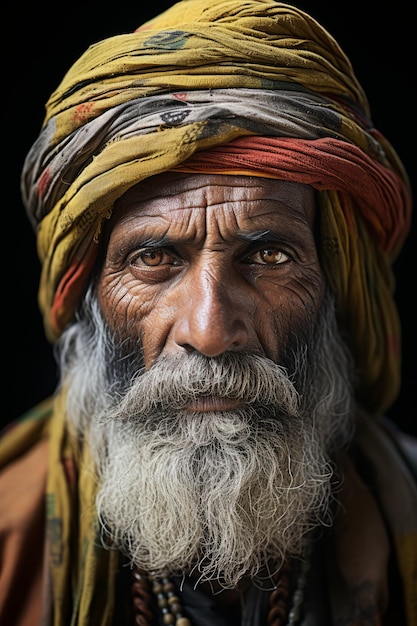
{"x": 280, "y": 613}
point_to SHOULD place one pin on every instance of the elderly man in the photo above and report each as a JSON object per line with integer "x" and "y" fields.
{"x": 216, "y": 218}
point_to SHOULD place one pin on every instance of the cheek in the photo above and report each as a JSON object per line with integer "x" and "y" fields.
{"x": 287, "y": 314}
{"x": 134, "y": 310}
{"x": 123, "y": 304}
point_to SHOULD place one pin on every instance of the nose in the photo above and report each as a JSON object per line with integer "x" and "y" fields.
{"x": 211, "y": 318}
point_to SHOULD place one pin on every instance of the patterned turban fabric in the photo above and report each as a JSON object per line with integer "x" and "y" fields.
{"x": 229, "y": 86}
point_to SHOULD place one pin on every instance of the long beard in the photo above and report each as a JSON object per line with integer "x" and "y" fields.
{"x": 219, "y": 494}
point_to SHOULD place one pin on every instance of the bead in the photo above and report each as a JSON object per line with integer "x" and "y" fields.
{"x": 137, "y": 603}
{"x": 176, "y": 608}
{"x": 169, "y": 599}
{"x": 298, "y": 596}
{"x": 157, "y": 588}
{"x": 276, "y": 613}
{"x": 162, "y": 601}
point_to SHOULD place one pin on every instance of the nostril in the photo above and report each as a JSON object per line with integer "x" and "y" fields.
{"x": 188, "y": 347}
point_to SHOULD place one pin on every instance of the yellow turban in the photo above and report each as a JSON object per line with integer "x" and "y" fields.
{"x": 237, "y": 79}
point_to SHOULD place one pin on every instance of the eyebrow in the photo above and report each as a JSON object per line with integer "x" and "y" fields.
{"x": 156, "y": 242}
{"x": 257, "y": 236}
{"x": 261, "y": 235}
{"x": 264, "y": 236}
{"x": 149, "y": 242}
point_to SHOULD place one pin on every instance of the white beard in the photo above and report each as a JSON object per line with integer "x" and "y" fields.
{"x": 219, "y": 494}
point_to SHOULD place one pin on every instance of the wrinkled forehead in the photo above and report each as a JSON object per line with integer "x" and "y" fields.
{"x": 180, "y": 190}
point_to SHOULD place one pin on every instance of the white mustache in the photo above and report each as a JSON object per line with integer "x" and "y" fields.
{"x": 174, "y": 382}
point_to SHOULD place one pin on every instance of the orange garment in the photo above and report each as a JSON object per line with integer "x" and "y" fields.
{"x": 22, "y": 536}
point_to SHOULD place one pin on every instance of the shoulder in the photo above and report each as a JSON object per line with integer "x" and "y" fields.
{"x": 24, "y": 448}
{"x": 405, "y": 443}
{"x": 21, "y": 435}
{"x": 23, "y": 476}
{"x": 23, "y": 465}
{"x": 386, "y": 446}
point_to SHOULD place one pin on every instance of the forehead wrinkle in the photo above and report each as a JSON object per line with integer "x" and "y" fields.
{"x": 232, "y": 212}
{"x": 188, "y": 218}
{"x": 216, "y": 224}
{"x": 198, "y": 223}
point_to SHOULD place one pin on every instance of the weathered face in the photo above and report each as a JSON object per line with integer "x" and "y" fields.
{"x": 219, "y": 278}
{"x": 212, "y": 263}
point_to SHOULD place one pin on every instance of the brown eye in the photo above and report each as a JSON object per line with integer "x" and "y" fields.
{"x": 151, "y": 257}
{"x": 270, "y": 256}
{"x": 154, "y": 257}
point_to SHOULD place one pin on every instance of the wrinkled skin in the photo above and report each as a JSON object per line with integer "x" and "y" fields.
{"x": 211, "y": 263}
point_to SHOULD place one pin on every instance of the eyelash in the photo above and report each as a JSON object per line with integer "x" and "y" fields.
{"x": 246, "y": 259}
{"x": 162, "y": 250}
{"x": 266, "y": 249}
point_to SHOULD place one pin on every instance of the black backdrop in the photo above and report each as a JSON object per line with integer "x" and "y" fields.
{"x": 44, "y": 43}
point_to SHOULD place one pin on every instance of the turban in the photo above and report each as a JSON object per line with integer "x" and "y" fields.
{"x": 229, "y": 86}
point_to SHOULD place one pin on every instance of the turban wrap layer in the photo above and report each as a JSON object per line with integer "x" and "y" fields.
{"x": 226, "y": 86}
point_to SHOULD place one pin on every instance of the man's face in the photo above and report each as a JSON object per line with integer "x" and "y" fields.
{"x": 222, "y": 385}
{"x": 210, "y": 264}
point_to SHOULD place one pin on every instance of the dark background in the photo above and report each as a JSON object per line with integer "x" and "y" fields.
{"x": 46, "y": 41}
